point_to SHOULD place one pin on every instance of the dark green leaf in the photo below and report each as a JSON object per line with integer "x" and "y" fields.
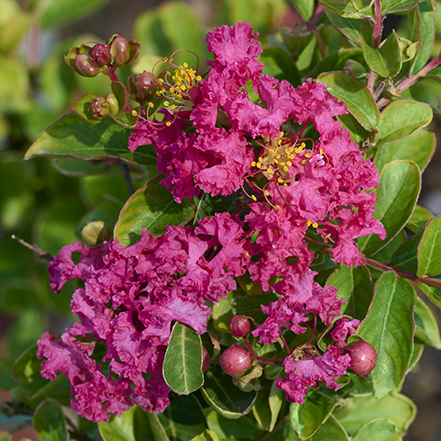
{"x": 356, "y": 96}
{"x": 386, "y": 60}
{"x": 379, "y": 429}
{"x": 425, "y": 91}
{"x": 151, "y": 207}
{"x": 72, "y": 136}
{"x": 396, "y": 408}
{"x": 305, "y": 7}
{"x": 419, "y": 219}
{"x": 7, "y": 380}
{"x": 389, "y": 328}
{"x": 241, "y": 428}
{"x": 336, "y": 61}
{"x": 307, "y": 418}
{"x": 389, "y": 6}
{"x": 49, "y": 422}
{"x": 426, "y": 329}
{"x": 355, "y": 288}
{"x": 405, "y": 256}
{"x": 268, "y": 404}
{"x": 239, "y": 302}
{"x": 429, "y": 257}
{"x": 224, "y": 397}
{"x": 331, "y": 430}
{"x": 206, "y": 435}
{"x": 397, "y": 194}
{"x": 418, "y": 148}
{"x": 358, "y": 133}
{"x": 401, "y": 119}
{"x": 280, "y": 65}
{"x": 183, "y": 360}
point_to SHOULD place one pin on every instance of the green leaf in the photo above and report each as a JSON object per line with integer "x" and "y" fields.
{"x": 355, "y": 288}
{"x": 331, "y": 430}
{"x": 54, "y": 13}
{"x": 433, "y": 292}
{"x": 336, "y": 61}
{"x": 239, "y": 302}
{"x": 405, "y": 256}
{"x": 81, "y": 108}
{"x": 49, "y": 422}
{"x": 206, "y": 435}
{"x": 307, "y": 418}
{"x": 305, "y": 7}
{"x": 344, "y": 8}
{"x": 396, "y": 408}
{"x": 386, "y": 60}
{"x": 419, "y": 219}
{"x": 389, "y": 328}
{"x": 183, "y": 360}
{"x": 151, "y": 207}
{"x": 426, "y": 325}
{"x": 72, "y": 136}
{"x": 358, "y": 133}
{"x": 401, "y": 119}
{"x": 280, "y": 65}
{"x": 389, "y": 6}
{"x": 268, "y": 404}
{"x": 429, "y": 257}
{"x": 379, "y": 429}
{"x": 7, "y": 380}
{"x": 426, "y": 91}
{"x": 356, "y": 96}
{"x": 224, "y": 397}
{"x": 418, "y": 147}
{"x": 133, "y": 425}
{"x": 397, "y": 194}
{"x": 423, "y": 20}
{"x": 241, "y": 428}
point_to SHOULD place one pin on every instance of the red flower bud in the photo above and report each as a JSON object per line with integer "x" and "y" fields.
{"x": 142, "y": 87}
{"x": 239, "y": 326}
{"x": 99, "y": 55}
{"x": 83, "y": 66}
{"x": 363, "y": 357}
{"x": 235, "y": 361}
{"x": 119, "y": 50}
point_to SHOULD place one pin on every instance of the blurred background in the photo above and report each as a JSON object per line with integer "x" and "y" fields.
{"x": 45, "y": 201}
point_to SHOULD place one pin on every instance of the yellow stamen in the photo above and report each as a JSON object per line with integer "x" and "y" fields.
{"x": 315, "y": 224}
{"x": 253, "y": 198}
{"x": 280, "y": 181}
{"x": 278, "y": 207}
{"x": 134, "y": 113}
{"x": 168, "y": 123}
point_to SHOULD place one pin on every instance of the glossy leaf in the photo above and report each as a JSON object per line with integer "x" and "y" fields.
{"x": 356, "y": 96}
{"x": 389, "y": 6}
{"x": 268, "y": 404}
{"x": 239, "y": 302}
{"x": 331, "y": 430}
{"x": 379, "y": 429}
{"x": 224, "y": 397}
{"x": 305, "y": 7}
{"x": 386, "y": 60}
{"x": 183, "y": 360}
{"x": 397, "y": 194}
{"x": 401, "y": 119}
{"x": 358, "y": 133}
{"x": 426, "y": 91}
{"x": 418, "y": 147}
{"x": 426, "y": 329}
{"x": 389, "y": 328}
{"x": 72, "y": 136}
{"x": 206, "y": 435}
{"x": 280, "y": 65}
{"x": 49, "y": 422}
{"x": 242, "y": 428}
{"x": 405, "y": 256}
{"x": 419, "y": 219}
{"x": 342, "y": 7}
{"x": 151, "y": 207}
{"x": 307, "y": 418}
{"x": 429, "y": 256}
{"x": 396, "y": 408}
{"x": 355, "y": 288}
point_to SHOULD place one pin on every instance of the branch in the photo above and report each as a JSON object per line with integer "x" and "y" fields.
{"x": 36, "y": 249}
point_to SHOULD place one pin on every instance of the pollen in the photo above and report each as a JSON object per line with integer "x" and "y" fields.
{"x": 253, "y": 198}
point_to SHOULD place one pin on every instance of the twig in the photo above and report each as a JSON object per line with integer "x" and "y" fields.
{"x": 36, "y": 249}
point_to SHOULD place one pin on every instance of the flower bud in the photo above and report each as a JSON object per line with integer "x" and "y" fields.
{"x": 113, "y": 103}
{"x": 95, "y": 233}
{"x": 142, "y": 86}
{"x": 83, "y": 66}
{"x": 119, "y": 50}
{"x": 239, "y": 326}
{"x": 206, "y": 360}
{"x": 235, "y": 361}
{"x": 99, "y": 55}
{"x": 99, "y": 107}
{"x": 363, "y": 357}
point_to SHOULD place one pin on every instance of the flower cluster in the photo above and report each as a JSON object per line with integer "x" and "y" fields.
{"x": 129, "y": 300}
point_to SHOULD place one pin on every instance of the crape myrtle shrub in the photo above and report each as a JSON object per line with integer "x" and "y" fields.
{"x": 276, "y": 266}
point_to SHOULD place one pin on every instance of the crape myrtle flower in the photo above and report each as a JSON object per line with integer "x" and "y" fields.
{"x": 128, "y": 301}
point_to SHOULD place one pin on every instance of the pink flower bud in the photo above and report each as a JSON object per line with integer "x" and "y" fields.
{"x": 206, "y": 360}
{"x": 142, "y": 87}
{"x": 239, "y": 326}
{"x": 235, "y": 361}
{"x": 83, "y": 66}
{"x": 99, "y": 55}
{"x": 363, "y": 357}
{"x": 120, "y": 51}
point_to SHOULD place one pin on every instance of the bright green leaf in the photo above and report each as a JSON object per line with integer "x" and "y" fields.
{"x": 429, "y": 256}
{"x": 433, "y": 292}
{"x": 418, "y": 148}
{"x": 331, "y": 430}
{"x": 151, "y": 207}
{"x": 72, "y": 136}
{"x": 344, "y": 8}
{"x": 305, "y": 7}
{"x": 241, "y": 428}
{"x": 426, "y": 325}
{"x": 426, "y": 91}
{"x": 397, "y": 194}
{"x": 224, "y": 397}
{"x": 386, "y": 60}
{"x": 81, "y": 108}
{"x": 379, "y": 430}
{"x": 356, "y": 96}
{"x": 355, "y": 288}
{"x": 358, "y": 133}
{"x": 401, "y": 119}
{"x": 268, "y": 404}
{"x": 389, "y": 6}
{"x": 389, "y": 328}
{"x": 419, "y": 219}
{"x": 49, "y": 422}
{"x": 307, "y": 418}
{"x": 183, "y": 360}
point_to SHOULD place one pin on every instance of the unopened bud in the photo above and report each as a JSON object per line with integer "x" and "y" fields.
{"x": 363, "y": 357}
{"x": 113, "y": 103}
{"x": 99, "y": 107}
{"x": 235, "y": 361}
{"x": 239, "y": 326}
{"x": 99, "y": 55}
{"x": 142, "y": 87}
{"x": 206, "y": 360}
{"x": 83, "y": 66}
{"x": 95, "y": 233}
